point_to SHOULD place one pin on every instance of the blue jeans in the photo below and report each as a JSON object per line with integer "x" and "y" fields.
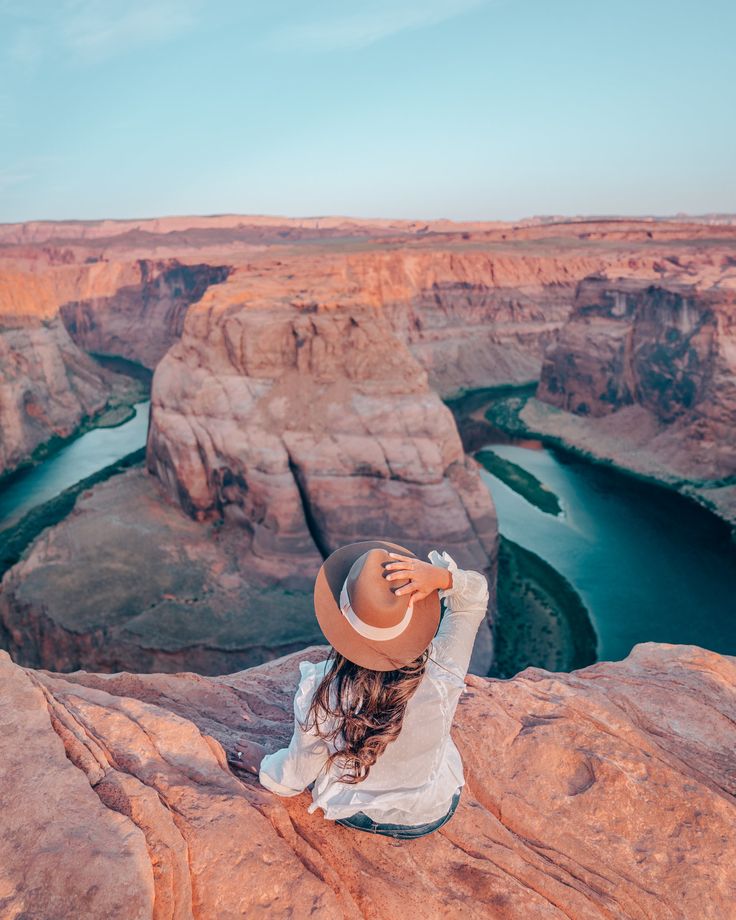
{"x": 361, "y": 822}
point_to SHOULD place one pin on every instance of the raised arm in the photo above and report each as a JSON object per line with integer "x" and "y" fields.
{"x": 467, "y": 596}
{"x": 467, "y": 601}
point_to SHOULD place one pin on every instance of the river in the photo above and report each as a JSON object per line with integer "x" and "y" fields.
{"x": 649, "y": 564}
{"x": 79, "y": 458}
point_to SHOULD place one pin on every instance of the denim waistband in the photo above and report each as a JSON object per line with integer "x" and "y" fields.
{"x": 361, "y": 822}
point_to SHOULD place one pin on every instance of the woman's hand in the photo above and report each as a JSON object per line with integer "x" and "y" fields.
{"x": 248, "y": 756}
{"x": 423, "y": 577}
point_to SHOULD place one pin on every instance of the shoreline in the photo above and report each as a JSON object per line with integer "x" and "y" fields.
{"x": 504, "y": 417}
{"x": 541, "y": 620}
{"x": 118, "y": 410}
{"x": 16, "y": 538}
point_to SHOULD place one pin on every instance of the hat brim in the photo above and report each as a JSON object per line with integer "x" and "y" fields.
{"x": 369, "y": 653}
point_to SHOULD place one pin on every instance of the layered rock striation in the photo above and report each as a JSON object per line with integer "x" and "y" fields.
{"x": 49, "y": 389}
{"x": 300, "y": 410}
{"x": 607, "y": 792}
{"x": 143, "y": 318}
{"x": 646, "y": 376}
{"x": 58, "y": 304}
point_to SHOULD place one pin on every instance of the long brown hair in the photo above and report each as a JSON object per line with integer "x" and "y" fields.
{"x": 368, "y": 712}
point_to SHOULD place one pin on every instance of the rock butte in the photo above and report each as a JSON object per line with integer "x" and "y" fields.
{"x": 296, "y": 405}
{"x": 604, "y": 793}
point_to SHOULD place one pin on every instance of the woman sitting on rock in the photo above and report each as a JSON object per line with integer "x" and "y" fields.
{"x": 379, "y": 708}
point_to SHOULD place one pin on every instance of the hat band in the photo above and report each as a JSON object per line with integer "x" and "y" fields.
{"x": 380, "y": 633}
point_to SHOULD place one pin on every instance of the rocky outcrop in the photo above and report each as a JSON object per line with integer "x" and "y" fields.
{"x": 145, "y": 316}
{"x": 301, "y": 405}
{"x": 664, "y": 348}
{"x": 607, "y": 792}
{"x": 311, "y": 425}
{"x": 128, "y": 582}
{"x": 470, "y": 318}
{"x": 646, "y": 377}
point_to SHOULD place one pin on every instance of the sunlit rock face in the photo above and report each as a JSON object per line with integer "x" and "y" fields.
{"x": 58, "y": 304}
{"x": 668, "y": 349}
{"x": 300, "y": 408}
{"x": 143, "y": 318}
{"x": 607, "y": 792}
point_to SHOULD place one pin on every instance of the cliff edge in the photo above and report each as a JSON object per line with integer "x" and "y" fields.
{"x": 605, "y": 792}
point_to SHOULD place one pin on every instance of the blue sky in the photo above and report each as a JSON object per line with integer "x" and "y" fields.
{"x": 475, "y": 109}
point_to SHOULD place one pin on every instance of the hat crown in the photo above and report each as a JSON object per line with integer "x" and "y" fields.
{"x": 372, "y": 596}
{"x": 402, "y": 632}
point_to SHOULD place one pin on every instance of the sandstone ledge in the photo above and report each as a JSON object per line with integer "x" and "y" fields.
{"x": 606, "y": 792}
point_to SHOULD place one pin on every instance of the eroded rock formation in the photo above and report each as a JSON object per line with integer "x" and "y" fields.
{"x": 145, "y": 316}
{"x": 311, "y": 425}
{"x": 646, "y": 374}
{"x": 607, "y": 792}
{"x": 301, "y": 403}
{"x": 49, "y": 388}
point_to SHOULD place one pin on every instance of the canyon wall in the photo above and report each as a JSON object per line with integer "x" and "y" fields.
{"x": 646, "y": 375}
{"x": 49, "y": 389}
{"x": 607, "y": 792}
{"x": 300, "y": 410}
{"x": 145, "y": 316}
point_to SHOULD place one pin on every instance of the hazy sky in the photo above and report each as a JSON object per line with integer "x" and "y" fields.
{"x": 396, "y": 108}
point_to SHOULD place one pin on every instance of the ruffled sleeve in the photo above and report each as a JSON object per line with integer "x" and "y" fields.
{"x": 290, "y": 770}
{"x": 307, "y": 685}
{"x": 468, "y": 602}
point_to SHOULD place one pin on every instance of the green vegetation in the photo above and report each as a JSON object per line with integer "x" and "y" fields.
{"x": 14, "y": 539}
{"x": 466, "y": 401}
{"x": 504, "y": 414}
{"x": 116, "y": 412}
{"x": 541, "y": 621}
{"x": 524, "y": 483}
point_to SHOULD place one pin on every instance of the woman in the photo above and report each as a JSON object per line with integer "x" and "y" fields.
{"x": 372, "y": 721}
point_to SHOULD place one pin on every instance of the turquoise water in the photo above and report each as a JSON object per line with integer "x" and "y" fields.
{"x": 80, "y": 458}
{"x": 647, "y": 563}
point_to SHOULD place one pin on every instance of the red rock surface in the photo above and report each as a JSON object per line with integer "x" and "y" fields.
{"x": 604, "y": 793}
{"x": 142, "y": 319}
{"x": 476, "y": 303}
{"x": 49, "y": 388}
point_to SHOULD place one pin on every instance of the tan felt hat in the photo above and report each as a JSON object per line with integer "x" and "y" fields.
{"x": 362, "y": 617}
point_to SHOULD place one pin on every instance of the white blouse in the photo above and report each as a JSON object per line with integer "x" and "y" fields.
{"x": 415, "y": 778}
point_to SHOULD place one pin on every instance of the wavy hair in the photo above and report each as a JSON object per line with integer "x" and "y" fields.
{"x": 369, "y": 710}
